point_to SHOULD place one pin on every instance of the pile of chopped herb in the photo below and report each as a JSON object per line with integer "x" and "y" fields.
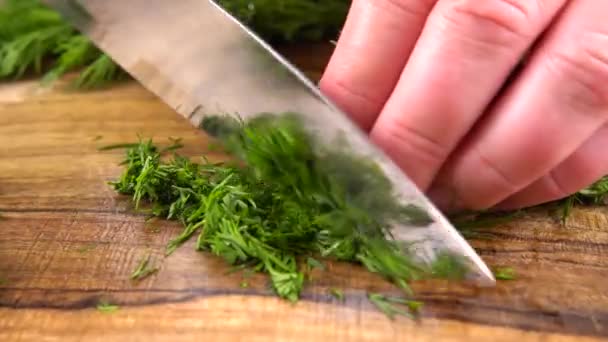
{"x": 35, "y": 40}
{"x": 279, "y": 203}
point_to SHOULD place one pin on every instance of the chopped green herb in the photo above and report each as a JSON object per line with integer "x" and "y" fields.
{"x": 504, "y": 273}
{"x": 337, "y": 293}
{"x": 244, "y": 284}
{"x": 285, "y": 203}
{"x": 106, "y": 307}
{"x": 3, "y": 281}
{"x": 143, "y": 269}
{"x": 98, "y": 137}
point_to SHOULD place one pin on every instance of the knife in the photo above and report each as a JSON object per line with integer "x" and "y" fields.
{"x": 199, "y": 59}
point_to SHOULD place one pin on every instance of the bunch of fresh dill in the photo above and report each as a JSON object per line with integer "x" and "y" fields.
{"x": 35, "y": 40}
{"x": 280, "y": 202}
{"x": 279, "y": 21}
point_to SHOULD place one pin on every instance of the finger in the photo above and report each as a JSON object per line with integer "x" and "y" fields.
{"x": 372, "y": 50}
{"x": 585, "y": 166}
{"x": 557, "y": 103}
{"x": 464, "y": 55}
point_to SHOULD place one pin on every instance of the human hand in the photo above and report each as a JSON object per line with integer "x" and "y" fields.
{"x": 428, "y": 80}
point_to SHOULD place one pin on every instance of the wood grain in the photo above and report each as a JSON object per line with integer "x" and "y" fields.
{"x": 67, "y": 241}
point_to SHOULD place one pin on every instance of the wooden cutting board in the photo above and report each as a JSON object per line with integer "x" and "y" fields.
{"x": 67, "y": 242}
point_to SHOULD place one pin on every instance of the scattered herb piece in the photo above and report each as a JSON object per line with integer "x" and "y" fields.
{"x": 86, "y": 248}
{"x": 106, "y": 307}
{"x": 239, "y": 267}
{"x": 98, "y": 137}
{"x": 390, "y": 305}
{"x": 117, "y": 146}
{"x": 143, "y": 269}
{"x": 567, "y": 206}
{"x": 505, "y": 273}
{"x": 337, "y": 293}
{"x": 3, "y": 281}
{"x": 176, "y": 144}
{"x": 244, "y": 284}
{"x": 595, "y": 194}
{"x": 314, "y": 263}
{"x": 479, "y": 225}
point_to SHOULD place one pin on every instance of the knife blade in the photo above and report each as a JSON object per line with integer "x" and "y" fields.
{"x": 199, "y": 59}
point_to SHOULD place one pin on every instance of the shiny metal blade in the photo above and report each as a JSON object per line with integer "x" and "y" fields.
{"x": 200, "y": 60}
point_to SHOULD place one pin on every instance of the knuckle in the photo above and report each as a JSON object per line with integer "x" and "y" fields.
{"x": 584, "y": 69}
{"x": 501, "y": 177}
{"x": 494, "y": 22}
{"x": 557, "y": 187}
{"x": 425, "y": 148}
{"x": 361, "y": 104}
{"x": 418, "y": 8}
